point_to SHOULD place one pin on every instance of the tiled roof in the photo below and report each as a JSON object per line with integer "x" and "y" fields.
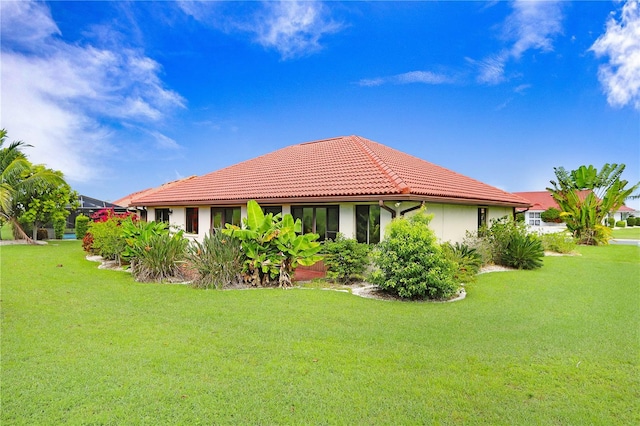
{"x": 337, "y": 168}
{"x": 540, "y": 200}
{"x": 126, "y": 200}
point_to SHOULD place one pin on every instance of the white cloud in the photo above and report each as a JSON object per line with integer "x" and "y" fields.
{"x": 491, "y": 69}
{"x": 532, "y": 25}
{"x": 164, "y": 142}
{"x": 294, "y": 28}
{"x": 56, "y": 95}
{"x": 621, "y": 43}
{"x": 424, "y": 77}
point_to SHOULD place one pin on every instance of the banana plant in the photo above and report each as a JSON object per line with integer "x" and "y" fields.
{"x": 273, "y": 245}
{"x": 586, "y": 196}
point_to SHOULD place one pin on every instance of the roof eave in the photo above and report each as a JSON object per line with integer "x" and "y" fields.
{"x": 337, "y": 199}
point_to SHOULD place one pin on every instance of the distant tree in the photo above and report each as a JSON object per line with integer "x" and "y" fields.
{"x": 18, "y": 180}
{"x": 47, "y": 202}
{"x": 586, "y": 196}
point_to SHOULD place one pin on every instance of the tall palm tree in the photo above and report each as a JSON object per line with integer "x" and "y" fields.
{"x": 17, "y": 177}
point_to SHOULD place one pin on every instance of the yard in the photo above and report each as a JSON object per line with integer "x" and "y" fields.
{"x": 558, "y": 345}
{"x": 627, "y": 233}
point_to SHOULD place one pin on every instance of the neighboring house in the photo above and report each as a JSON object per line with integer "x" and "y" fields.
{"x": 350, "y": 185}
{"x": 142, "y": 212}
{"x": 542, "y": 200}
{"x": 89, "y": 206}
{"x": 624, "y": 212}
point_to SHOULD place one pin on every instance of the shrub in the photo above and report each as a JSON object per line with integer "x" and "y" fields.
{"x": 346, "y": 259}
{"x": 107, "y": 239}
{"x": 523, "y": 252}
{"x": 621, "y": 224}
{"x": 500, "y": 234}
{"x": 551, "y": 215}
{"x": 611, "y": 222}
{"x": 631, "y": 221}
{"x": 136, "y": 235}
{"x": 217, "y": 260}
{"x": 82, "y": 225}
{"x": 59, "y": 225}
{"x": 480, "y": 243}
{"x": 559, "y": 242}
{"x": 87, "y": 243}
{"x": 600, "y": 235}
{"x": 42, "y": 234}
{"x": 467, "y": 259}
{"x": 161, "y": 259}
{"x": 411, "y": 263}
{"x": 504, "y": 242}
{"x": 637, "y": 221}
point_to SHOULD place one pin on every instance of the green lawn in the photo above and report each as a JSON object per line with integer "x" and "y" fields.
{"x": 627, "y": 233}
{"x": 6, "y": 232}
{"x": 556, "y": 346}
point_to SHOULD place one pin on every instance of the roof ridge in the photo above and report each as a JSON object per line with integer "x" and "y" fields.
{"x": 388, "y": 171}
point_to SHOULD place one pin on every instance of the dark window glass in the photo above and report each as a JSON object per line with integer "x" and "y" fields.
{"x": 368, "y": 224}
{"x": 192, "y": 220}
{"x": 222, "y": 215}
{"x": 333, "y": 222}
{"x": 322, "y": 220}
{"x": 482, "y": 217}
{"x": 162, "y": 215}
{"x": 272, "y": 209}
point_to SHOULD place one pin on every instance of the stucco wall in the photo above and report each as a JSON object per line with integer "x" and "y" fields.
{"x": 450, "y": 221}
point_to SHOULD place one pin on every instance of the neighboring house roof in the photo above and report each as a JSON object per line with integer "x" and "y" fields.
{"x": 126, "y": 200}
{"x": 348, "y": 167}
{"x": 542, "y": 200}
{"x": 89, "y": 203}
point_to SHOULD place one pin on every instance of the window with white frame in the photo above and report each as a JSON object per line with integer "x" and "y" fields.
{"x": 534, "y": 219}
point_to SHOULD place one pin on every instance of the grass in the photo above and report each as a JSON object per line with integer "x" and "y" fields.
{"x": 559, "y": 345}
{"x": 6, "y": 232}
{"x": 627, "y": 233}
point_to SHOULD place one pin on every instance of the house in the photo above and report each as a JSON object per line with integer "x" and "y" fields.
{"x": 348, "y": 184}
{"x": 88, "y": 206}
{"x": 542, "y": 200}
{"x": 142, "y": 213}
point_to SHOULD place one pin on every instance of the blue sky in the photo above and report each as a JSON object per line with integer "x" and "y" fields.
{"x": 122, "y": 96}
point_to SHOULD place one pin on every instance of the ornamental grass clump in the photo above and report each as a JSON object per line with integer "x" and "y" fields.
{"x": 217, "y": 260}
{"x": 411, "y": 263}
{"x": 161, "y": 258}
{"x": 467, "y": 259}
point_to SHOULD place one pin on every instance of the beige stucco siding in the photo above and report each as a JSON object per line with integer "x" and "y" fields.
{"x": 450, "y": 221}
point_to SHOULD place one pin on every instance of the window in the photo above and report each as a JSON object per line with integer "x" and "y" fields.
{"x": 192, "y": 220}
{"x": 534, "y": 218}
{"x": 368, "y": 224}
{"x": 220, "y": 216}
{"x": 162, "y": 215}
{"x": 482, "y": 217}
{"x": 323, "y": 221}
{"x": 272, "y": 209}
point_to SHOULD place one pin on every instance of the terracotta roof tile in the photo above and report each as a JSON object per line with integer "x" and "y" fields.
{"x": 337, "y": 167}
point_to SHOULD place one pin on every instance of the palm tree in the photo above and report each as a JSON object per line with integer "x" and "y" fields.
{"x": 18, "y": 177}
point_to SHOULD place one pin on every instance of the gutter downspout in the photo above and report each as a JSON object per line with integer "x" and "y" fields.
{"x": 387, "y": 208}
